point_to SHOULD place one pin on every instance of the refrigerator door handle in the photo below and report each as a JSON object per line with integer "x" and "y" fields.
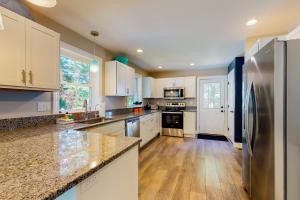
{"x": 247, "y": 122}
{"x": 251, "y": 98}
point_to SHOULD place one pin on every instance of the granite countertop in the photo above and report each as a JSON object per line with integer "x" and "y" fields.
{"x": 45, "y": 161}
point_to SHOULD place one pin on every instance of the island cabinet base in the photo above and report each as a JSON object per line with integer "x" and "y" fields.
{"x": 116, "y": 181}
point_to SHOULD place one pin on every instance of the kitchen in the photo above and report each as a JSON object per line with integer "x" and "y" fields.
{"x": 84, "y": 96}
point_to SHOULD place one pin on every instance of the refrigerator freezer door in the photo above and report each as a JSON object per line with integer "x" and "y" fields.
{"x": 293, "y": 125}
{"x": 259, "y": 122}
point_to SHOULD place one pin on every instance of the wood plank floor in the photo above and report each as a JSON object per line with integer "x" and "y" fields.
{"x": 190, "y": 169}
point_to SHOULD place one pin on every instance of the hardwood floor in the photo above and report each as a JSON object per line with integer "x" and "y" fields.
{"x": 190, "y": 169}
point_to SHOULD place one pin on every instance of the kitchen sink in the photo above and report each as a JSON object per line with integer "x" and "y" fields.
{"x": 95, "y": 120}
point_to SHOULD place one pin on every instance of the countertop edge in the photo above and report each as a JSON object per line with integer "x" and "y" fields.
{"x": 86, "y": 126}
{"x": 84, "y": 176}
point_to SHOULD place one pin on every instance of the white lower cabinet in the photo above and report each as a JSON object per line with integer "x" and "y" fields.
{"x": 190, "y": 124}
{"x": 116, "y": 128}
{"x": 150, "y": 126}
{"x": 117, "y": 180}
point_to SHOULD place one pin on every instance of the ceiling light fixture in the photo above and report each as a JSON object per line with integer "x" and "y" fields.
{"x": 1, "y": 23}
{"x": 44, "y": 3}
{"x": 159, "y": 67}
{"x": 94, "y": 66}
{"x": 251, "y": 22}
{"x": 139, "y": 50}
{"x": 192, "y": 64}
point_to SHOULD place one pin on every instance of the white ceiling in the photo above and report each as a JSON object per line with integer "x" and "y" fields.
{"x": 175, "y": 33}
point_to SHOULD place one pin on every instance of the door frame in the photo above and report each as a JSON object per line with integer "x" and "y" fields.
{"x": 225, "y": 78}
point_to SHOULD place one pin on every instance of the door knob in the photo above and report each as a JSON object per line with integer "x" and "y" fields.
{"x": 222, "y": 110}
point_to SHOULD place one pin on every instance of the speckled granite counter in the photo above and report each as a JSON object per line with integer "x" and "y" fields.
{"x": 44, "y": 162}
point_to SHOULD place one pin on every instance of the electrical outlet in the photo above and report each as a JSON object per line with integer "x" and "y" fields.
{"x": 43, "y": 106}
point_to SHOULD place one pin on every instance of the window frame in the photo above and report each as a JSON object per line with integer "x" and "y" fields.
{"x": 95, "y": 80}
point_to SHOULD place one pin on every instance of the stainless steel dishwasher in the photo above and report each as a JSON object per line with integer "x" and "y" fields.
{"x": 133, "y": 127}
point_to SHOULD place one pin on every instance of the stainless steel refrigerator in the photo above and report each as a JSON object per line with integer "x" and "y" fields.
{"x": 271, "y": 122}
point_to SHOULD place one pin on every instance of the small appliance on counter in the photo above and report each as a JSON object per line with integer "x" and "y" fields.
{"x": 172, "y": 119}
{"x": 154, "y": 107}
{"x": 147, "y": 106}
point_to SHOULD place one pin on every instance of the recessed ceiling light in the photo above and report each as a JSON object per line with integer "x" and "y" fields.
{"x": 159, "y": 67}
{"x": 192, "y": 64}
{"x": 44, "y": 3}
{"x": 139, "y": 50}
{"x": 251, "y": 22}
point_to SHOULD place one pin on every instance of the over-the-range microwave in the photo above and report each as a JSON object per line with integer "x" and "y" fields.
{"x": 174, "y": 93}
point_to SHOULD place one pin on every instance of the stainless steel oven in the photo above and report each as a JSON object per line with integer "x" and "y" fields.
{"x": 174, "y": 93}
{"x": 172, "y": 119}
{"x": 172, "y": 123}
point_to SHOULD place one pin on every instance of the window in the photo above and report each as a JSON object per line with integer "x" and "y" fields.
{"x": 211, "y": 95}
{"x": 137, "y": 97}
{"x": 75, "y": 83}
{"x": 78, "y": 82}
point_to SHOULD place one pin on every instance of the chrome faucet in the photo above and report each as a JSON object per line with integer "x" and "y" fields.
{"x": 85, "y": 105}
{"x": 97, "y": 114}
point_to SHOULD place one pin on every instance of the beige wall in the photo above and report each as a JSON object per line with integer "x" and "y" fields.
{"x": 207, "y": 72}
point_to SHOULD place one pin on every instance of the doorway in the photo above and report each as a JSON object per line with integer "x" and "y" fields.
{"x": 212, "y": 109}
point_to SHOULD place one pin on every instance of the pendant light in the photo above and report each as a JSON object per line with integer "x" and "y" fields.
{"x": 44, "y": 3}
{"x": 94, "y": 66}
{"x": 1, "y": 23}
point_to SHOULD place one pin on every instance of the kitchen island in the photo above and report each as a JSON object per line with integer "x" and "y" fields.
{"x": 56, "y": 162}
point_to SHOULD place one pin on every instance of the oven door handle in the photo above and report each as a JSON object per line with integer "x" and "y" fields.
{"x": 172, "y": 112}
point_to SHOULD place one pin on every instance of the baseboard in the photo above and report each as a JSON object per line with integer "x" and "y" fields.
{"x": 190, "y": 135}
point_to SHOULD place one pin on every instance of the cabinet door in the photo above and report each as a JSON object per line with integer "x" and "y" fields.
{"x": 12, "y": 49}
{"x": 189, "y": 122}
{"x": 130, "y": 81}
{"x": 149, "y": 87}
{"x": 121, "y": 79}
{"x": 159, "y": 88}
{"x": 42, "y": 56}
{"x": 178, "y": 82}
{"x": 190, "y": 87}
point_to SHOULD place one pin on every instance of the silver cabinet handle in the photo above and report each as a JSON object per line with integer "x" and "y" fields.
{"x": 30, "y": 77}
{"x": 23, "y": 76}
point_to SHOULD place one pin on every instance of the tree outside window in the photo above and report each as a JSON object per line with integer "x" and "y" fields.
{"x": 75, "y": 83}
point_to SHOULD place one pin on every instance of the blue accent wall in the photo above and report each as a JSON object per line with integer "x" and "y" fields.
{"x": 238, "y": 64}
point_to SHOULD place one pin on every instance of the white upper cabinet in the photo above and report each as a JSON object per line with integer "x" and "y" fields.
{"x": 189, "y": 83}
{"x": 119, "y": 79}
{"x": 130, "y": 81}
{"x": 149, "y": 87}
{"x": 42, "y": 57}
{"x": 159, "y": 88}
{"x": 190, "y": 87}
{"x": 29, "y": 54}
{"x": 12, "y": 50}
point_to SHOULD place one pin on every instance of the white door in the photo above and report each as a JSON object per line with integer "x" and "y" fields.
{"x": 212, "y": 106}
{"x": 231, "y": 104}
{"x": 42, "y": 57}
{"x": 12, "y": 49}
